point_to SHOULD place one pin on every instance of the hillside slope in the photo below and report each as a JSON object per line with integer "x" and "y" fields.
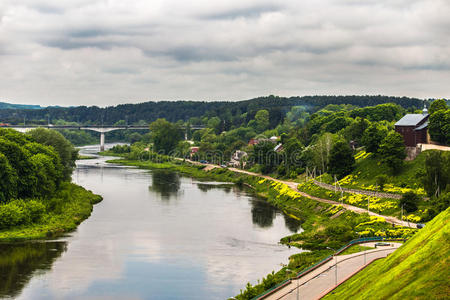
{"x": 420, "y": 269}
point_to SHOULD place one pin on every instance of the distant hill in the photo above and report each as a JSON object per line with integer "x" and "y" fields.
{"x": 4, "y": 105}
{"x": 417, "y": 270}
{"x": 232, "y": 112}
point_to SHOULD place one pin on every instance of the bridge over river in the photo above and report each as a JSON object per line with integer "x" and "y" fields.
{"x": 98, "y": 128}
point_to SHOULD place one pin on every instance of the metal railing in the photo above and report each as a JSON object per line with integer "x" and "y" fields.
{"x": 321, "y": 262}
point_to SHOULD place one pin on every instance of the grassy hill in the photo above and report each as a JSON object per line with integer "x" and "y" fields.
{"x": 417, "y": 270}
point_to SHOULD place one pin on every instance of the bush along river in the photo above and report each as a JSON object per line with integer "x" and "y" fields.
{"x": 156, "y": 235}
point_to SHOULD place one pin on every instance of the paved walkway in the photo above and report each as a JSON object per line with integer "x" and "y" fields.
{"x": 294, "y": 185}
{"x": 315, "y": 284}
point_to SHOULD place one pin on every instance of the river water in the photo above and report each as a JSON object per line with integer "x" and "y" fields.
{"x": 156, "y": 235}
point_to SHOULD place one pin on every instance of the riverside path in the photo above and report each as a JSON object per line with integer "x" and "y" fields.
{"x": 319, "y": 282}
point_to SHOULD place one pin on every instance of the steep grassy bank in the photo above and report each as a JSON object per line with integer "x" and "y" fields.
{"x": 67, "y": 208}
{"x": 417, "y": 270}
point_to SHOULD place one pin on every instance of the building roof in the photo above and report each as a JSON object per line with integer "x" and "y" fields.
{"x": 411, "y": 119}
{"x": 424, "y": 125}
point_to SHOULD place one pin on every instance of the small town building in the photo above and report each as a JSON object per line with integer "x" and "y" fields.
{"x": 414, "y": 128}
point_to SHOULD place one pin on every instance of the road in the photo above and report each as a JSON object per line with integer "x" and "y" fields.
{"x": 318, "y": 282}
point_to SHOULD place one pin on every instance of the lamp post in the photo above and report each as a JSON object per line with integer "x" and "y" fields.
{"x": 298, "y": 287}
{"x": 335, "y": 265}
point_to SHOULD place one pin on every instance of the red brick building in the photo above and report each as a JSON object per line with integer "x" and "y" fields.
{"x": 413, "y": 128}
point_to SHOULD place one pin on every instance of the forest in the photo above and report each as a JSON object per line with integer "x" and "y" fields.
{"x": 36, "y": 196}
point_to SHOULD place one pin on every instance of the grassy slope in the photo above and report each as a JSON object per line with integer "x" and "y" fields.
{"x": 76, "y": 205}
{"x": 368, "y": 169}
{"x": 418, "y": 270}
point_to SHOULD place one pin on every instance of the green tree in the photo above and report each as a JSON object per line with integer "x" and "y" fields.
{"x": 409, "y": 201}
{"x": 437, "y": 172}
{"x": 439, "y": 126}
{"x": 262, "y": 120}
{"x": 392, "y": 151}
{"x": 19, "y": 159}
{"x": 8, "y": 180}
{"x": 437, "y": 105}
{"x": 373, "y": 136}
{"x": 165, "y": 136}
{"x": 381, "y": 180}
{"x": 342, "y": 161}
{"x": 292, "y": 154}
{"x": 264, "y": 155}
{"x": 66, "y": 151}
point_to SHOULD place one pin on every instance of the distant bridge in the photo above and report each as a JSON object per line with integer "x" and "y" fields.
{"x": 98, "y": 128}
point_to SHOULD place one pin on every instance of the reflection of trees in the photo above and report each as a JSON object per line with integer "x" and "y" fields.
{"x": 204, "y": 187}
{"x": 166, "y": 183}
{"x": 18, "y": 262}
{"x": 263, "y": 213}
{"x": 291, "y": 223}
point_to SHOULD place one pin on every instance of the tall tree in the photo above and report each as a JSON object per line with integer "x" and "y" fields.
{"x": 342, "y": 161}
{"x": 165, "y": 136}
{"x": 437, "y": 172}
{"x": 66, "y": 151}
{"x": 392, "y": 151}
{"x": 437, "y": 105}
{"x": 262, "y": 120}
{"x": 373, "y": 136}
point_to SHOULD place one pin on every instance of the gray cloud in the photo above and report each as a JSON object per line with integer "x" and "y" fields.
{"x": 103, "y": 52}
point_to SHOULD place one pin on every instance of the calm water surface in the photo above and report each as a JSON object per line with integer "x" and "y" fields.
{"x": 156, "y": 235}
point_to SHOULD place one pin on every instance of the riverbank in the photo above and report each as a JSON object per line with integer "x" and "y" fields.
{"x": 70, "y": 205}
{"x": 325, "y": 225}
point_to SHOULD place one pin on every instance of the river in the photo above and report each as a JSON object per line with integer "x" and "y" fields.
{"x": 156, "y": 235}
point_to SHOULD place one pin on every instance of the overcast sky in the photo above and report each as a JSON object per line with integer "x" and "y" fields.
{"x": 105, "y": 52}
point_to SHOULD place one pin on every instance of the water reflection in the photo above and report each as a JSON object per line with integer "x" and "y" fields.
{"x": 166, "y": 183}
{"x": 20, "y": 261}
{"x": 205, "y": 187}
{"x": 292, "y": 224}
{"x": 263, "y": 213}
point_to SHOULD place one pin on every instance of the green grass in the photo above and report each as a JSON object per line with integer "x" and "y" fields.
{"x": 83, "y": 157}
{"x": 417, "y": 270}
{"x": 355, "y": 249}
{"x": 367, "y": 169}
{"x": 72, "y": 205}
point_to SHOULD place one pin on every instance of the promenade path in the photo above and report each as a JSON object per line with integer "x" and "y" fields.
{"x": 294, "y": 186}
{"x": 316, "y": 284}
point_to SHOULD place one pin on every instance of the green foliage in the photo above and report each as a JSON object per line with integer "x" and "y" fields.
{"x": 437, "y": 105}
{"x": 436, "y": 177}
{"x": 439, "y": 126}
{"x": 392, "y": 151}
{"x": 8, "y": 180}
{"x": 373, "y": 136}
{"x": 41, "y": 218}
{"x": 342, "y": 161}
{"x": 409, "y": 201}
{"x": 165, "y": 136}
{"x": 381, "y": 180}
{"x": 66, "y": 151}
{"x": 264, "y": 155}
{"x": 262, "y": 120}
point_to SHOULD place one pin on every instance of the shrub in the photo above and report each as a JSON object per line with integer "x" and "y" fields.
{"x": 11, "y": 215}
{"x": 381, "y": 180}
{"x": 409, "y": 201}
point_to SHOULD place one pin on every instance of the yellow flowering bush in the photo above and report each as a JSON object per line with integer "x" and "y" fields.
{"x": 412, "y": 218}
{"x": 362, "y": 155}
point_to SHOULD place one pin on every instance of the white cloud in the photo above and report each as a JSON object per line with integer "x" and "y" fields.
{"x": 103, "y": 52}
